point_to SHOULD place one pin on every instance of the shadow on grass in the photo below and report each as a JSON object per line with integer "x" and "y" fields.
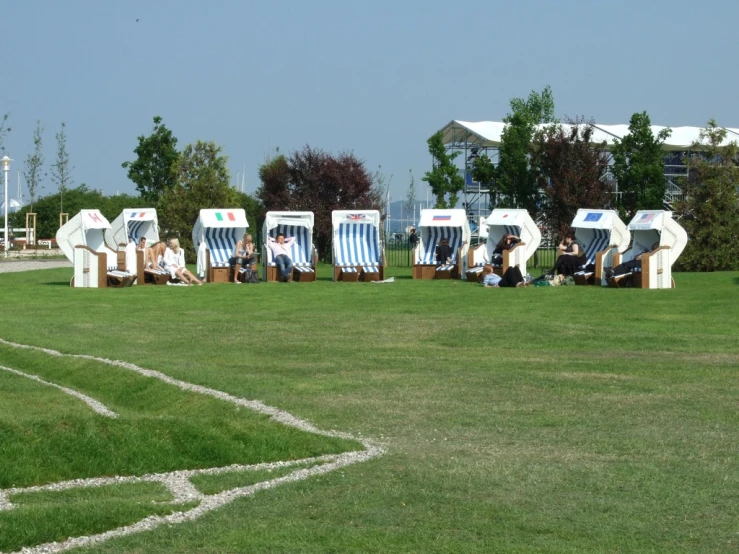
{"x": 56, "y": 283}
{"x": 736, "y": 280}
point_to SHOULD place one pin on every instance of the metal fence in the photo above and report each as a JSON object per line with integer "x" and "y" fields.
{"x": 398, "y": 253}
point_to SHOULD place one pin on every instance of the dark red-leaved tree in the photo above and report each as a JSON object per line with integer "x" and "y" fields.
{"x": 571, "y": 168}
{"x": 315, "y": 181}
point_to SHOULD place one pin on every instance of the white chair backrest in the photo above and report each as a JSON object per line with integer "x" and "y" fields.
{"x": 291, "y": 224}
{"x": 596, "y": 230}
{"x": 356, "y": 238}
{"x": 220, "y": 229}
{"x": 435, "y": 225}
{"x": 650, "y": 226}
{"x": 87, "y": 228}
{"x": 516, "y": 222}
{"x": 132, "y": 224}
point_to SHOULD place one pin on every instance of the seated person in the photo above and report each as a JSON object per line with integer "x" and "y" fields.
{"x": 280, "y": 248}
{"x": 174, "y": 262}
{"x": 444, "y": 252}
{"x": 511, "y": 278}
{"x": 243, "y": 256}
{"x": 571, "y": 256}
{"x": 150, "y": 261}
{"x": 631, "y": 265}
{"x": 507, "y": 242}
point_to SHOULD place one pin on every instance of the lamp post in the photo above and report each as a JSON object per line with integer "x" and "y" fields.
{"x": 6, "y": 168}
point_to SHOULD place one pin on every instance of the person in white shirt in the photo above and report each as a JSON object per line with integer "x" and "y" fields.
{"x": 174, "y": 262}
{"x": 281, "y": 250}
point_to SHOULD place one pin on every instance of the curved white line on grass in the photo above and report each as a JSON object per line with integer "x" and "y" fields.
{"x": 97, "y": 407}
{"x": 178, "y": 481}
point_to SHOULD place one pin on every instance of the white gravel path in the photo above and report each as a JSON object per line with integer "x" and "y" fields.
{"x": 13, "y": 266}
{"x": 178, "y": 482}
{"x": 97, "y": 407}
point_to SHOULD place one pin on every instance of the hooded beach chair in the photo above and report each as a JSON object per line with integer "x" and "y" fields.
{"x": 499, "y": 223}
{"x": 649, "y": 227}
{"x": 82, "y": 239}
{"x": 302, "y": 253}
{"x": 602, "y": 234}
{"x": 129, "y": 227}
{"x": 356, "y": 248}
{"x": 435, "y": 225}
{"x": 215, "y": 235}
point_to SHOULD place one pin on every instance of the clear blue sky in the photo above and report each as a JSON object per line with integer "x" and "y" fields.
{"x": 377, "y": 78}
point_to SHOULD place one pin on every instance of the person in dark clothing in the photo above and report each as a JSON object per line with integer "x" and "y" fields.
{"x": 507, "y": 242}
{"x": 511, "y": 278}
{"x": 444, "y": 252}
{"x": 413, "y": 238}
{"x": 628, "y": 267}
{"x": 571, "y": 255}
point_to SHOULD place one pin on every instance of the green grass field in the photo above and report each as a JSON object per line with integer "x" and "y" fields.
{"x": 565, "y": 419}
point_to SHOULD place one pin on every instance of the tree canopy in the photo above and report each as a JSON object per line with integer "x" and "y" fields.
{"x": 513, "y": 182}
{"x": 75, "y": 199}
{"x": 153, "y": 171}
{"x": 638, "y": 166}
{"x": 710, "y": 211}
{"x": 313, "y": 180}
{"x": 570, "y": 169}
{"x": 445, "y": 180}
{"x": 201, "y": 181}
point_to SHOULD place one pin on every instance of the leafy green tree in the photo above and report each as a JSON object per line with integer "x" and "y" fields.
{"x": 710, "y": 211}
{"x": 201, "y": 182}
{"x": 515, "y": 180}
{"x": 570, "y": 169}
{"x": 153, "y": 171}
{"x": 61, "y": 170}
{"x": 254, "y": 212}
{"x": 639, "y": 167}
{"x": 445, "y": 180}
{"x": 33, "y": 173}
{"x": 316, "y": 181}
{"x": 75, "y": 199}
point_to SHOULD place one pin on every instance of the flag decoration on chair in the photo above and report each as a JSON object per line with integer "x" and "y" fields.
{"x": 593, "y": 216}
{"x": 229, "y": 215}
{"x": 442, "y": 218}
{"x": 356, "y": 217}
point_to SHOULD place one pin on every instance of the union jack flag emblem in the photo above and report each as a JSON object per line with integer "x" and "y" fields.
{"x": 355, "y": 217}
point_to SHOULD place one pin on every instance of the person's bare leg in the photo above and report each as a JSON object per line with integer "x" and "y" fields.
{"x": 181, "y": 274}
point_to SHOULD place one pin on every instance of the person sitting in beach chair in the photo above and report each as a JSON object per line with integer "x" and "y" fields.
{"x": 174, "y": 262}
{"x": 280, "y": 248}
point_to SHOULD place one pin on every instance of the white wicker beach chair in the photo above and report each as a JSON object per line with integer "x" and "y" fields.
{"x": 500, "y": 223}
{"x": 302, "y": 253}
{"x": 220, "y": 230}
{"x": 435, "y": 225}
{"x": 82, "y": 239}
{"x": 358, "y": 253}
{"x": 649, "y": 227}
{"x": 602, "y": 234}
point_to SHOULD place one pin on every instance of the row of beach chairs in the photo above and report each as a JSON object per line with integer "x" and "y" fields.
{"x": 95, "y": 246}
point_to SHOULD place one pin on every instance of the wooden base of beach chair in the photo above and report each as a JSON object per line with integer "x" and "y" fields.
{"x": 424, "y": 271}
{"x": 219, "y": 275}
{"x": 474, "y": 276}
{"x": 584, "y": 278}
{"x": 151, "y": 278}
{"x": 443, "y": 274}
{"x": 120, "y": 281}
{"x": 349, "y": 277}
{"x": 304, "y": 276}
{"x": 368, "y": 276}
{"x": 620, "y": 281}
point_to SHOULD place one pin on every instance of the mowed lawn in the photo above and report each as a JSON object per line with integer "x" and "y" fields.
{"x": 565, "y": 419}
